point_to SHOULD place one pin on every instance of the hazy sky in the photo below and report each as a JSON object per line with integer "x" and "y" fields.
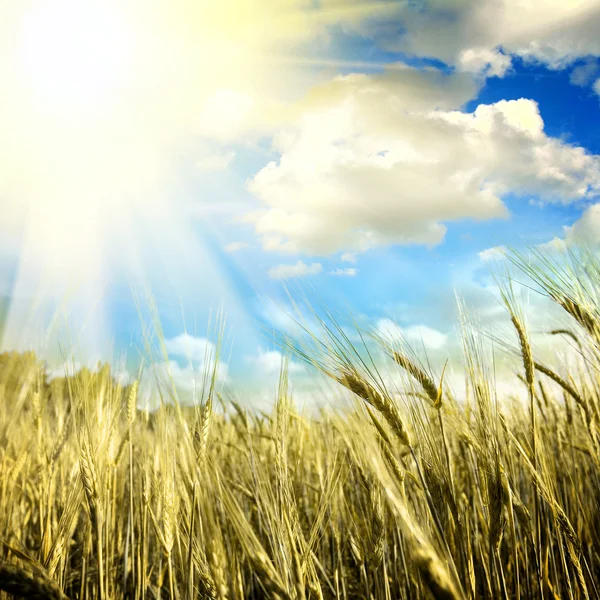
{"x": 374, "y": 155}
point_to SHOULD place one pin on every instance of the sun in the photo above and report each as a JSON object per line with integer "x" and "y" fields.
{"x": 75, "y": 54}
{"x": 101, "y": 103}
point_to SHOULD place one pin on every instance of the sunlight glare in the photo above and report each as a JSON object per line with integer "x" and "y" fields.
{"x": 101, "y": 101}
{"x": 75, "y": 53}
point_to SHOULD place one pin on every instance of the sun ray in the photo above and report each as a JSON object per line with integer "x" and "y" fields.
{"x": 100, "y": 100}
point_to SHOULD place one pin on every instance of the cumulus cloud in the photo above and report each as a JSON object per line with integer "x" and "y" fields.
{"x": 587, "y": 228}
{"x": 235, "y": 246}
{"x": 555, "y": 244}
{"x": 191, "y": 348}
{"x": 349, "y": 272}
{"x": 472, "y": 31}
{"x": 300, "y": 269}
{"x": 202, "y": 70}
{"x": 190, "y": 367}
{"x": 492, "y": 63}
{"x": 191, "y": 381}
{"x": 270, "y": 363}
{"x": 495, "y": 253}
{"x": 388, "y": 159}
{"x": 596, "y": 86}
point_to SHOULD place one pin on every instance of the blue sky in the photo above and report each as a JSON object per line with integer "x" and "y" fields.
{"x": 365, "y": 154}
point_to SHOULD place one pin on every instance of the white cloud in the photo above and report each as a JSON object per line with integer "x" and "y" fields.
{"x": 386, "y": 159}
{"x": 587, "y": 228}
{"x": 554, "y": 244}
{"x": 414, "y": 334}
{"x": 198, "y": 355}
{"x": 300, "y": 269}
{"x": 228, "y": 84}
{"x": 431, "y": 338}
{"x": 550, "y": 31}
{"x": 349, "y": 272}
{"x": 349, "y": 257}
{"x": 190, "y": 381}
{"x": 235, "y": 246}
{"x": 270, "y": 363}
{"x": 597, "y": 86}
{"x": 196, "y": 350}
{"x": 215, "y": 162}
{"x": 492, "y": 63}
{"x": 495, "y": 253}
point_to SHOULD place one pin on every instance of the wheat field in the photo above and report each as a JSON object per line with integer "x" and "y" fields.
{"x": 433, "y": 496}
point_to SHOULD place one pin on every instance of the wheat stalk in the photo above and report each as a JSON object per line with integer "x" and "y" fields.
{"x": 32, "y": 585}
{"x": 383, "y": 404}
{"x": 433, "y": 392}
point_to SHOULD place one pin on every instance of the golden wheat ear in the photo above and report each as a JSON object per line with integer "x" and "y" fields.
{"x": 34, "y": 585}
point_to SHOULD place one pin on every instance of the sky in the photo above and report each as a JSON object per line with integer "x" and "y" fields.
{"x": 183, "y": 160}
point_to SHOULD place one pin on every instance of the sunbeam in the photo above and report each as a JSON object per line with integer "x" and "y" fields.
{"x": 101, "y": 100}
